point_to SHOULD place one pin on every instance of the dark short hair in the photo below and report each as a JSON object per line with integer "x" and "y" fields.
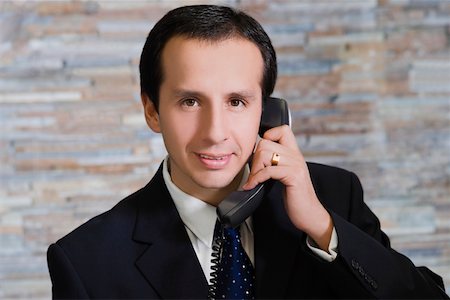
{"x": 203, "y": 22}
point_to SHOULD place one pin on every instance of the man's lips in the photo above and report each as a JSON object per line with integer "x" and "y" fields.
{"x": 214, "y": 161}
{"x": 214, "y": 157}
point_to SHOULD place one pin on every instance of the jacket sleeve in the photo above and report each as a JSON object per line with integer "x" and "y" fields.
{"x": 366, "y": 252}
{"x": 65, "y": 281}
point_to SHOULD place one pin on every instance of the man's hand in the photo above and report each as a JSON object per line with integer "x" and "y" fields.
{"x": 302, "y": 205}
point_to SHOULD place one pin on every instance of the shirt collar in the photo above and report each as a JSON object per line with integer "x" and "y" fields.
{"x": 197, "y": 215}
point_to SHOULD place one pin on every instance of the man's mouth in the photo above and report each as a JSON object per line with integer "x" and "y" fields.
{"x": 214, "y": 161}
{"x": 219, "y": 157}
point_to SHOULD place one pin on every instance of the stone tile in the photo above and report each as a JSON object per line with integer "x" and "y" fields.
{"x": 134, "y": 120}
{"x": 296, "y": 66}
{"x": 14, "y": 202}
{"x": 322, "y": 6}
{"x": 431, "y": 76}
{"x": 39, "y": 97}
{"x": 409, "y": 220}
{"x": 124, "y": 26}
{"x": 50, "y": 83}
{"x": 353, "y": 38}
{"x": 27, "y": 287}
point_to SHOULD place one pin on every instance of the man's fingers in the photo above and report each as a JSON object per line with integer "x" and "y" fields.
{"x": 271, "y": 172}
{"x": 282, "y": 135}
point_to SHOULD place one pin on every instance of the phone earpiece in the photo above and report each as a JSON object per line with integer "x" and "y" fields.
{"x": 275, "y": 113}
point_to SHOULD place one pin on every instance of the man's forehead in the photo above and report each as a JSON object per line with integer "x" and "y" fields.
{"x": 236, "y": 41}
{"x": 182, "y": 50}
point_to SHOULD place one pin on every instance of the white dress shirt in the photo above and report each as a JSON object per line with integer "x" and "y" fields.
{"x": 199, "y": 218}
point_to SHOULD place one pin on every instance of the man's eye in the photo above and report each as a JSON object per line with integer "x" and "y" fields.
{"x": 236, "y": 102}
{"x": 190, "y": 102}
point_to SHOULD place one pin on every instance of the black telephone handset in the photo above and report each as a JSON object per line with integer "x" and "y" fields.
{"x": 239, "y": 205}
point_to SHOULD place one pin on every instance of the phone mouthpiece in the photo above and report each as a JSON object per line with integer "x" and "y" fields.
{"x": 239, "y": 205}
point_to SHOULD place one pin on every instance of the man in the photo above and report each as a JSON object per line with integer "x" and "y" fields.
{"x": 205, "y": 71}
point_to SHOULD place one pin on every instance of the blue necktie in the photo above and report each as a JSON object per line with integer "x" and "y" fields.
{"x": 233, "y": 274}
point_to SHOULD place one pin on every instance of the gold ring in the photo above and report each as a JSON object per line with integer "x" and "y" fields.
{"x": 275, "y": 159}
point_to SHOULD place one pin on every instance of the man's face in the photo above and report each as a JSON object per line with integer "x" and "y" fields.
{"x": 209, "y": 111}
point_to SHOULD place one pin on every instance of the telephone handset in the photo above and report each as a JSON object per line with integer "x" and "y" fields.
{"x": 239, "y": 205}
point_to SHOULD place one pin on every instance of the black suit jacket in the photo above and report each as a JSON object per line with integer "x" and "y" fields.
{"x": 140, "y": 249}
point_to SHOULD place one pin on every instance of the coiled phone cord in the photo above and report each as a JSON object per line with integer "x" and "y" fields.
{"x": 215, "y": 260}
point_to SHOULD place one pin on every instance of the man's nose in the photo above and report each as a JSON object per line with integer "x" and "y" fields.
{"x": 215, "y": 126}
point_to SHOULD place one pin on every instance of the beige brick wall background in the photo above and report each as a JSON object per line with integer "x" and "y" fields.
{"x": 368, "y": 83}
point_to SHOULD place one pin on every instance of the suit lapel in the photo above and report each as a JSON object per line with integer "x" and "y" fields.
{"x": 169, "y": 264}
{"x": 276, "y": 244}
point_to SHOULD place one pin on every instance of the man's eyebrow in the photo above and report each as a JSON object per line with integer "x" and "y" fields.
{"x": 244, "y": 94}
{"x": 192, "y": 93}
{"x": 186, "y": 93}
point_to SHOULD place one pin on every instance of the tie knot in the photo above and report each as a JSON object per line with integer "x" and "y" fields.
{"x": 226, "y": 233}
{"x": 232, "y": 233}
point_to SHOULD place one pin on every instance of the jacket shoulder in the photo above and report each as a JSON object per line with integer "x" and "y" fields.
{"x": 318, "y": 169}
{"x": 335, "y": 187}
{"x": 330, "y": 177}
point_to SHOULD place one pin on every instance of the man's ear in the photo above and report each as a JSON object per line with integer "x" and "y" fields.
{"x": 151, "y": 114}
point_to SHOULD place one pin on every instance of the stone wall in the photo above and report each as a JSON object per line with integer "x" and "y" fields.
{"x": 368, "y": 83}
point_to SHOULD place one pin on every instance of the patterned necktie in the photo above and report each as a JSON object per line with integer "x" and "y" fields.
{"x": 233, "y": 274}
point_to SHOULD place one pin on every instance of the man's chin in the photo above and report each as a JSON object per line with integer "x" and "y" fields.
{"x": 218, "y": 184}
